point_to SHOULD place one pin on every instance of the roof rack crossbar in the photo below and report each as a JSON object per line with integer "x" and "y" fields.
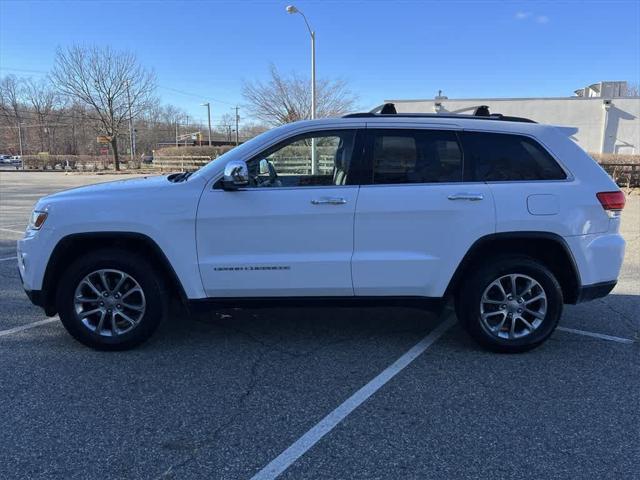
{"x": 480, "y": 112}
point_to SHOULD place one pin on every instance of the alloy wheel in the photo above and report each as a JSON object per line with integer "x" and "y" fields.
{"x": 513, "y": 306}
{"x": 109, "y": 302}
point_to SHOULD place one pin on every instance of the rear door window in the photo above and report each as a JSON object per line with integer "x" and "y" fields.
{"x": 507, "y": 157}
{"x": 415, "y": 156}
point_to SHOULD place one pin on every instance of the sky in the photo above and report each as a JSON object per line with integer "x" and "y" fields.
{"x": 205, "y": 50}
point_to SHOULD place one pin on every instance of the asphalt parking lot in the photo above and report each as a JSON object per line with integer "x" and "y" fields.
{"x": 223, "y": 395}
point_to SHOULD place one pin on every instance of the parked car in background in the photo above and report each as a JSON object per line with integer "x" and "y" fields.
{"x": 11, "y": 160}
{"x": 509, "y": 218}
{"x": 16, "y": 161}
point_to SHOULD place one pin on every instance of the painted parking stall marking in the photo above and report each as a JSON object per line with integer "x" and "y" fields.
{"x": 28, "y": 326}
{"x": 11, "y": 230}
{"x": 328, "y": 423}
{"x": 601, "y": 336}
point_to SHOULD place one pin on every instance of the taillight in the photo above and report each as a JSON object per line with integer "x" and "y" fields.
{"x": 612, "y": 202}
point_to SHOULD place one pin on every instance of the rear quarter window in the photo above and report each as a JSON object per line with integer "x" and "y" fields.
{"x": 507, "y": 157}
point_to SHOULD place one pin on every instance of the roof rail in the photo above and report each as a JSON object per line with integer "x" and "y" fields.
{"x": 480, "y": 112}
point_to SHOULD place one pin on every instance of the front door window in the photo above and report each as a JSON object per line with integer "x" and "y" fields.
{"x": 318, "y": 159}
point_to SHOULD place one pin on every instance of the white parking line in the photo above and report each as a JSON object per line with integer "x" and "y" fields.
{"x": 309, "y": 439}
{"x": 11, "y": 230}
{"x": 9, "y": 258}
{"x": 601, "y": 336}
{"x": 28, "y": 326}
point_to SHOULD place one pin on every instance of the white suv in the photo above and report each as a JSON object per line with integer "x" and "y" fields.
{"x": 509, "y": 217}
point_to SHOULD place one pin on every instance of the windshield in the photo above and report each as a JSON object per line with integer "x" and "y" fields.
{"x": 243, "y": 150}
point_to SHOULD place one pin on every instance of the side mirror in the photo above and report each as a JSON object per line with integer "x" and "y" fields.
{"x": 264, "y": 166}
{"x": 236, "y": 175}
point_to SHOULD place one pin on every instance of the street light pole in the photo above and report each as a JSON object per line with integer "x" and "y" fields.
{"x": 208, "y": 105}
{"x": 132, "y": 140}
{"x": 291, "y": 9}
{"x": 237, "y": 121}
{"x": 313, "y": 74}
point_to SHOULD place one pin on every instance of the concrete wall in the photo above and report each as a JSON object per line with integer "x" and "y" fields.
{"x": 619, "y": 134}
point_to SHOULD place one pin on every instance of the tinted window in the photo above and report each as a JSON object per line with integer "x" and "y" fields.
{"x": 289, "y": 164}
{"x": 501, "y": 157}
{"x": 415, "y": 156}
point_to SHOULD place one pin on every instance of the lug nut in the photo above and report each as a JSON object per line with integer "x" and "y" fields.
{"x": 502, "y": 307}
{"x": 519, "y": 310}
{"x": 117, "y": 295}
{"x": 105, "y": 294}
{"x": 520, "y": 300}
{"x": 102, "y": 304}
{"x": 119, "y": 307}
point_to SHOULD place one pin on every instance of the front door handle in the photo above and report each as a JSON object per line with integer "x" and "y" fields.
{"x": 474, "y": 197}
{"x": 328, "y": 201}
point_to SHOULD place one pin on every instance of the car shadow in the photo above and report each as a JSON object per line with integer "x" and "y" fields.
{"x": 295, "y": 330}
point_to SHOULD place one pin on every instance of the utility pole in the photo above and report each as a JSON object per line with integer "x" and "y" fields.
{"x": 237, "y": 121}
{"x": 208, "y": 105}
{"x": 186, "y": 136}
{"x": 132, "y": 141}
{"x": 20, "y": 137}
{"x": 74, "y": 144}
{"x": 176, "y": 131}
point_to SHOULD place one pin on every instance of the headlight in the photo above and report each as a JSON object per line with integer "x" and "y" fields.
{"x": 37, "y": 219}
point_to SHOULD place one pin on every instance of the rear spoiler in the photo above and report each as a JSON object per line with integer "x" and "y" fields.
{"x": 568, "y": 131}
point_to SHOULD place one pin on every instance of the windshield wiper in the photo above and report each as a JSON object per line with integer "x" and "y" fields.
{"x": 179, "y": 177}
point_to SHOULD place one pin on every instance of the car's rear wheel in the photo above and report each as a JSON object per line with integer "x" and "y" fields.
{"x": 111, "y": 299}
{"x": 510, "y": 304}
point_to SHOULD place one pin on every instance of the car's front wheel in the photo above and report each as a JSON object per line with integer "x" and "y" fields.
{"x": 510, "y": 304}
{"x": 111, "y": 299}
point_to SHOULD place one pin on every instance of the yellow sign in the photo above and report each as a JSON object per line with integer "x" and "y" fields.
{"x": 103, "y": 139}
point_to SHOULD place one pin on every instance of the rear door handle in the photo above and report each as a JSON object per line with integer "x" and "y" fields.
{"x": 328, "y": 201}
{"x": 474, "y": 197}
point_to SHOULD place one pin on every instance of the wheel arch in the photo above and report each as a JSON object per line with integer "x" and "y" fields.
{"x": 74, "y": 245}
{"x": 549, "y": 248}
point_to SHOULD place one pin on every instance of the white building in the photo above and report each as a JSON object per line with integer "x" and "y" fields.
{"x": 608, "y": 120}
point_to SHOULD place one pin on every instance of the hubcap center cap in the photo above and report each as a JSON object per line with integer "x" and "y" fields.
{"x": 110, "y": 302}
{"x": 513, "y": 306}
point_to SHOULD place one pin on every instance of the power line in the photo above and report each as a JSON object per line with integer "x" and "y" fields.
{"x": 195, "y": 95}
{"x": 56, "y": 115}
{"x": 176, "y": 90}
{"x": 23, "y": 70}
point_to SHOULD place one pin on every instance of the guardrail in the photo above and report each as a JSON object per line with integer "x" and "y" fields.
{"x": 182, "y": 163}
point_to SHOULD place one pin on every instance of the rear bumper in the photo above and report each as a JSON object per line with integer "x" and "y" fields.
{"x": 596, "y": 290}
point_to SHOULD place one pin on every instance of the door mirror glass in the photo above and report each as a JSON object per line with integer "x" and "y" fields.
{"x": 264, "y": 166}
{"x": 236, "y": 175}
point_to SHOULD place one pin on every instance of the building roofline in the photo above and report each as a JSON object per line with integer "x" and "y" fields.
{"x": 499, "y": 99}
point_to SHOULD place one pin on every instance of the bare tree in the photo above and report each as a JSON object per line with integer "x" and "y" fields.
{"x": 285, "y": 99}
{"x": 251, "y": 130}
{"x": 226, "y": 125}
{"x": 633, "y": 89}
{"x": 112, "y": 84}
{"x": 11, "y": 105}
{"x": 45, "y": 103}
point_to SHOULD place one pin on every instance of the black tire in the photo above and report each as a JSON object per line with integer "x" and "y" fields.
{"x": 148, "y": 279}
{"x": 471, "y": 292}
